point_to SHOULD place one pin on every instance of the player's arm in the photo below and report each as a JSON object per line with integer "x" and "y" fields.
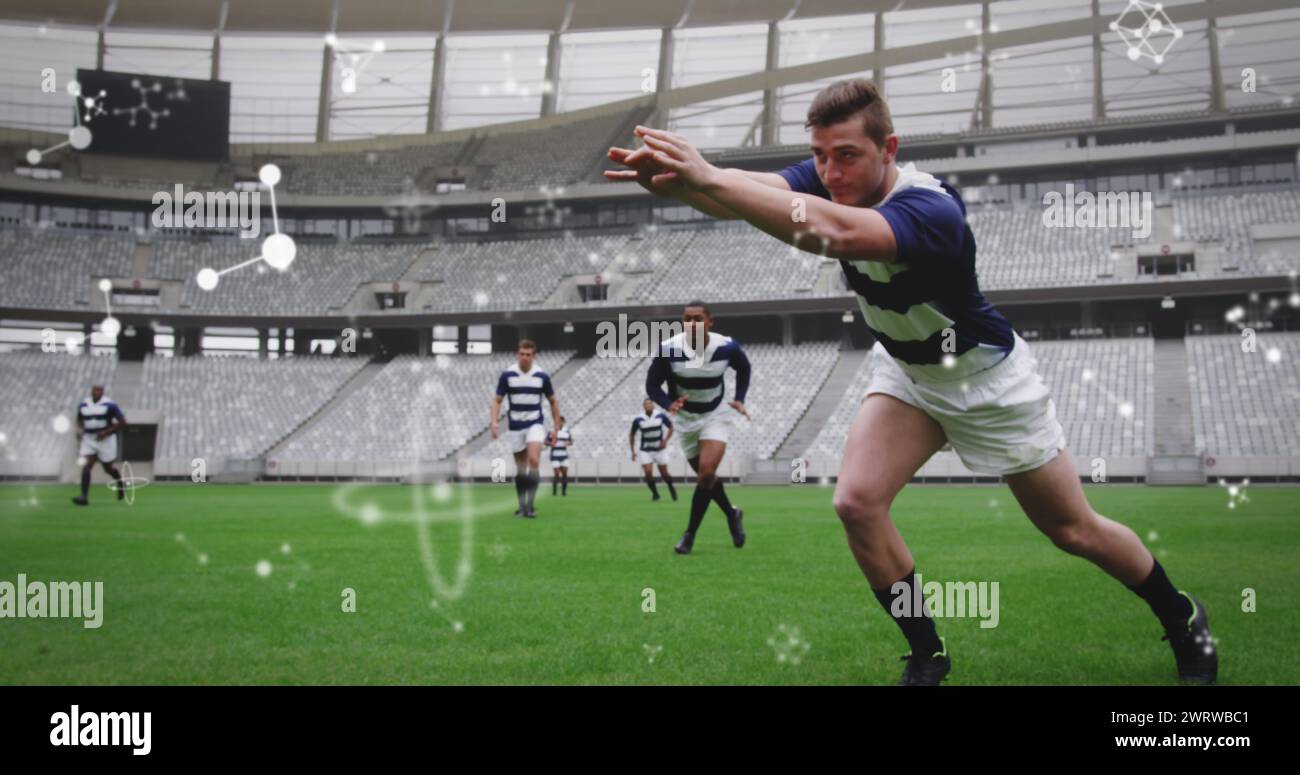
{"x": 669, "y": 425}
{"x": 823, "y": 227}
{"x": 660, "y": 372}
{"x": 631, "y": 440}
{"x": 548, "y": 390}
{"x": 740, "y": 363}
{"x": 502, "y": 387}
{"x": 654, "y": 178}
{"x": 118, "y": 422}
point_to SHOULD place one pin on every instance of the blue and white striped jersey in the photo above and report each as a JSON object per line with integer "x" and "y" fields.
{"x": 925, "y": 308}
{"x": 653, "y": 429}
{"x": 560, "y": 449}
{"x": 98, "y": 415}
{"x": 525, "y": 391}
{"x": 697, "y": 376}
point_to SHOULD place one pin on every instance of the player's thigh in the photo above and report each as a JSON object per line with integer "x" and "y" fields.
{"x": 533, "y": 452}
{"x": 711, "y": 452}
{"x": 1052, "y": 497}
{"x": 887, "y": 442}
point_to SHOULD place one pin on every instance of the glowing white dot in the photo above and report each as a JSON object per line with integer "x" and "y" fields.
{"x": 263, "y": 568}
{"x": 480, "y": 299}
{"x": 1158, "y": 59}
{"x": 269, "y": 174}
{"x": 1273, "y": 355}
{"x": 74, "y": 88}
{"x": 369, "y": 514}
{"x": 1087, "y": 375}
{"x": 1157, "y": 25}
{"x": 1126, "y": 409}
{"x": 61, "y": 424}
{"x": 1233, "y": 490}
{"x": 949, "y": 361}
{"x": 203, "y": 558}
{"x": 377, "y": 47}
{"x": 79, "y": 137}
{"x": 279, "y": 250}
{"x": 208, "y": 278}
{"x": 110, "y": 327}
{"x": 331, "y": 40}
{"x": 1153, "y": 536}
{"x": 3, "y": 438}
{"x": 458, "y": 626}
{"x": 1133, "y": 54}
{"x": 105, "y": 286}
{"x": 442, "y": 492}
{"x": 285, "y": 549}
{"x": 1294, "y": 300}
{"x": 33, "y": 157}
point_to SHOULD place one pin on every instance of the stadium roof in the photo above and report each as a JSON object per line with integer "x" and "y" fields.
{"x": 396, "y": 16}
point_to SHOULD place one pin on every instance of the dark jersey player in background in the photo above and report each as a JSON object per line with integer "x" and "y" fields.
{"x": 99, "y": 420}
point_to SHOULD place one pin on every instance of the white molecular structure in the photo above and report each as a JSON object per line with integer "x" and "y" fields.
{"x": 789, "y": 645}
{"x": 144, "y": 107}
{"x": 1155, "y": 24}
{"x": 129, "y": 483}
{"x": 412, "y": 206}
{"x": 79, "y": 136}
{"x": 1236, "y": 492}
{"x": 111, "y": 325}
{"x": 351, "y": 63}
{"x": 278, "y": 250}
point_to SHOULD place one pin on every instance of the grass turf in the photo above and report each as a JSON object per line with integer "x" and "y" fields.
{"x": 559, "y": 599}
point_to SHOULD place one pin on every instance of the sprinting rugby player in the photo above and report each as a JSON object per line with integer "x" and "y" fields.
{"x": 99, "y": 421}
{"x": 560, "y": 441}
{"x": 656, "y": 428}
{"x": 950, "y": 369}
{"x": 693, "y": 364}
{"x": 524, "y": 386}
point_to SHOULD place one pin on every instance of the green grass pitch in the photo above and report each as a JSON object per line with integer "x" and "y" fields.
{"x": 559, "y": 599}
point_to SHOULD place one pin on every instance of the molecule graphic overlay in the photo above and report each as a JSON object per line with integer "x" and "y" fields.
{"x": 434, "y": 502}
{"x": 1153, "y": 35}
{"x": 79, "y": 137}
{"x": 351, "y": 63}
{"x": 145, "y": 108}
{"x": 788, "y": 645}
{"x": 200, "y": 557}
{"x": 278, "y": 250}
{"x": 264, "y": 568}
{"x": 111, "y": 325}
{"x": 129, "y": 483}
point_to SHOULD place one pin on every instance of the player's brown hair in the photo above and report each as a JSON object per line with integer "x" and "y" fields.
{"x": 843, "y": 100}
{"x": 526, "y": 344}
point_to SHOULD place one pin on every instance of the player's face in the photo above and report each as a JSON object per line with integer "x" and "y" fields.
{"x": 96, "y": 393}
{"x": 648, "y": 405}
{"x": 696, "y": 323}
{"x": 850, "y": 164}
{"x": 525, "y": 358}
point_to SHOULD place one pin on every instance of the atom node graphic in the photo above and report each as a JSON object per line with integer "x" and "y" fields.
{"x": 128, "y": 484}
{"x": 80, "y": 136}
{"x": 1152, "y": 24}
{"x": 278, "y": 250}
{"x": 111, "y": 326}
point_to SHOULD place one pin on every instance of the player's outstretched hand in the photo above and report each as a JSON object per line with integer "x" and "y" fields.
{"x": 677, "y": 405}
{"x": 739, "y": 407}
{"x": 645, "y": 170}
{"x": 678, "y": 156}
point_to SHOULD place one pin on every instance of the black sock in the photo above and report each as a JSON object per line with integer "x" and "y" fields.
{"x": 699, "y": 504}
{"x": 720, "y": 497}
{"x": 533, "y": 479}
{"x": 919, "y": 627}
{"x": 117, "y": 481}
{"x": 668, "y": 480}
{"x": 650, "y": 482}
{"x": 555, "y": 483}
{"x": 1169, "y": 606}
{"x": 85, "y": 482}
{"x": 564, "y": 484}
{"x": 521, "y": 489}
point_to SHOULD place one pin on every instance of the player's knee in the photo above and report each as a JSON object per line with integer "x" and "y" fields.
{"x": 1073, "y": 538}
{"x": 861, "y": 505}
{"x": 708, "y": 476}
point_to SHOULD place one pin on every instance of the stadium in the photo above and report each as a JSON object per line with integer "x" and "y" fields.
{"x": 299, "y": 243}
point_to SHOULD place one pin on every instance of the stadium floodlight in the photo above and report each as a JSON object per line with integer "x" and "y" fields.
{"x": 1167, "y": 302}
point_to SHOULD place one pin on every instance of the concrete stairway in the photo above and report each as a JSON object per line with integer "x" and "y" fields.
{"x": 819, "y": 411}
{"x": 1175, "y": 459}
